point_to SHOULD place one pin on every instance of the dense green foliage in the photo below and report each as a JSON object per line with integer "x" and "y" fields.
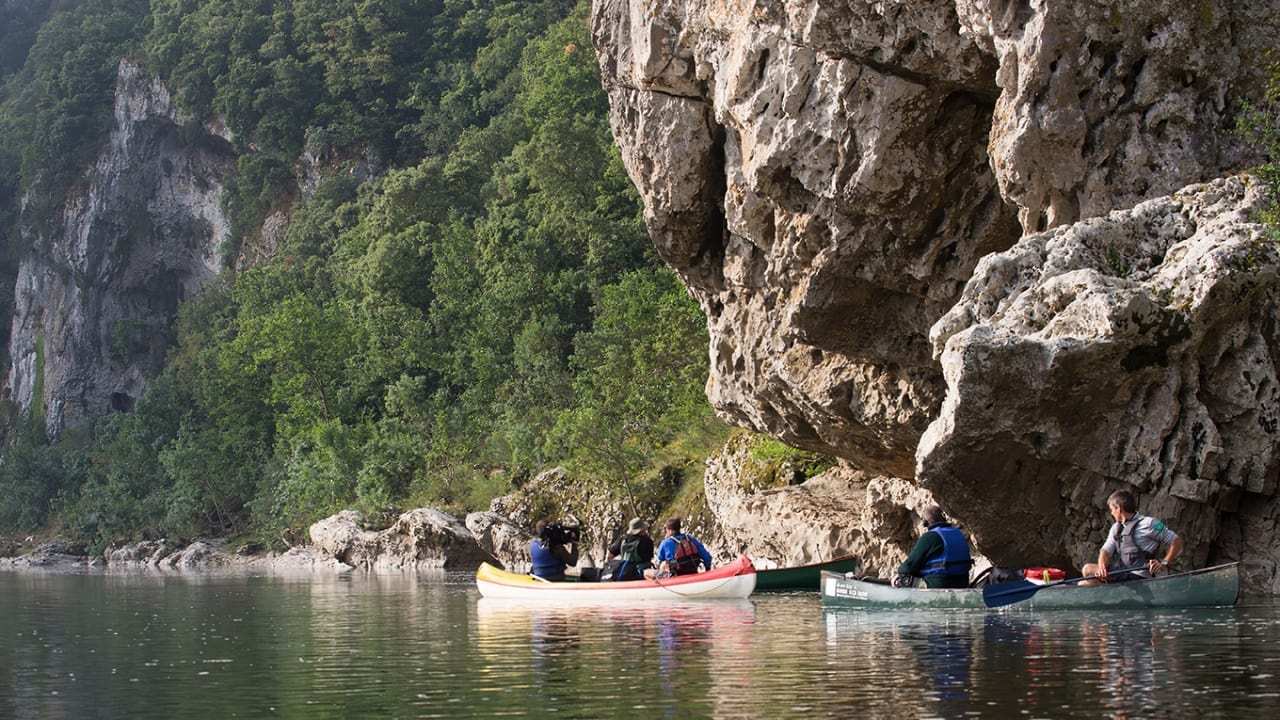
{"x": 1262, "y": 126}
{"x": 489, "y": 305}
{"x": 57, "y": 106}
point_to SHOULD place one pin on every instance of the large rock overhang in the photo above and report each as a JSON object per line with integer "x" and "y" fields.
{"x": 826, "y": 176}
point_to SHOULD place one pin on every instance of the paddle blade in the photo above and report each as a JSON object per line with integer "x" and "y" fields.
{"x": 994, "y": 596}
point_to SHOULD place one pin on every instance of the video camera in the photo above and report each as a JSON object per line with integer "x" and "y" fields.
{"x": 558, "y": 534}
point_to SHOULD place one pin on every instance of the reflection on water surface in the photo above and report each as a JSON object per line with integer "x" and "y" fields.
{"x": 125, "y": 646}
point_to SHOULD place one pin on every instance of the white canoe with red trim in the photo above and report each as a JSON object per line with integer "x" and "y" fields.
{"x": 735, "y": 580}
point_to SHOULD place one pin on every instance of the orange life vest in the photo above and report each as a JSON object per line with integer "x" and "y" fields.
{"x": 687, "y": 558}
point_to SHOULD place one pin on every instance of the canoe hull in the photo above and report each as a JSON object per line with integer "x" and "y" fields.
{"x": 735, "y": 581}
{"x": 1210, "y": 587}
{"x": 805, "y": 577}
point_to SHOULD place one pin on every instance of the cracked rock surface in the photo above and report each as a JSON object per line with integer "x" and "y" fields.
{"x": 827, "y": 175}
{"x": 839, "y": 513}
{"x": 420, "y": 539}
{"x": 821, "y": 182}
{"x": 1138, "y": 349}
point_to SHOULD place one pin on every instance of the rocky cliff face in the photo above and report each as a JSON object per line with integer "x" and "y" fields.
{"x": 822, "y": 184}
{"x": 828, "y": 176}
{"x": 838, "y": 513}
{"x": 97, "y": 297}
{"x": 1137, "y": 348}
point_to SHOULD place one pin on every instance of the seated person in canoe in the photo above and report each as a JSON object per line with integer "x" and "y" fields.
{"x": 679, "y": 553}
{"x": 633, "y": 552}
{"x": 553, "y": 550}
{"x": 1135, "y": 540}
{"x": 940, "y": 556}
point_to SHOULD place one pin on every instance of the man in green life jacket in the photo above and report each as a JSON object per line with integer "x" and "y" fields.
{"x": 634, "y": 552}
{"x": 940, "y": 556}
{"x": 1135, "y": 540}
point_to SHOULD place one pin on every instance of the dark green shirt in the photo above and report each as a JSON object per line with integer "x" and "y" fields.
{"x": 929, "y": 546}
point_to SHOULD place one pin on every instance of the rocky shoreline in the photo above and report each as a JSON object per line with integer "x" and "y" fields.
{"x": 838, "y": 512}
{"x": 211, "y": 555}
{"x": 1008, "y": 253}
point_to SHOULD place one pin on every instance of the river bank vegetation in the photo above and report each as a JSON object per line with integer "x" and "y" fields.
{"x": 487, "y": 305}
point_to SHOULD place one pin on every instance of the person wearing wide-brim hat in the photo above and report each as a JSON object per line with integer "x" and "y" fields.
{"x": 634, "y": 551}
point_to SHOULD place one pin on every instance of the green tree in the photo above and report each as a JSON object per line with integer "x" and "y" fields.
{"x": 638, "y": 384}
{"x": 488, "y": 303}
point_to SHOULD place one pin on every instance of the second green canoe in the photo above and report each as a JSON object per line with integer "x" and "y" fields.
{"x": 802, "y": 577}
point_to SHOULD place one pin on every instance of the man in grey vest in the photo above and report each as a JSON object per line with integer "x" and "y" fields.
{"x": 1134, "y": 541}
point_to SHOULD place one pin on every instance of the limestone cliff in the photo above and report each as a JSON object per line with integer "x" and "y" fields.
{"x": 1140, "y": 347}
{"x": 827, "y": 176}
{"x": 97, "y": 295}
{"x": 839, "y": 513}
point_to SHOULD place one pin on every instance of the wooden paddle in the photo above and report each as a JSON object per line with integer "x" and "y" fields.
{"x": 994, "y": 596}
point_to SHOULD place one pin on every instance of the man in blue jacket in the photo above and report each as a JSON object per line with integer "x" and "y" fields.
{"x": 941, "y": 555}
{"x": 550, "y": 558}
{"x": 679, "y": 553}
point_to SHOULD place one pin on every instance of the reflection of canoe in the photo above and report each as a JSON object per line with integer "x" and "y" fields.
{"x": 735, "y": 580}
{"x": 802, "y": 577}
{"x": 1218, "y": 585}
{"x": 499, "y": 616}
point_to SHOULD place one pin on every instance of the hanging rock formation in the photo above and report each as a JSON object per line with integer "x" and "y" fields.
{"x": 827, "y": 175}
{"x": 822, "y": 185}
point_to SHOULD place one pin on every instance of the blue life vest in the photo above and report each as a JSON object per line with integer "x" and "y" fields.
{"x": 545, "y": 563}
{"x": 954, "y": 559}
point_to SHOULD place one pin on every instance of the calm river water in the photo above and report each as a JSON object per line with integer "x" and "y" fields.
{"x": 133, "y": 646}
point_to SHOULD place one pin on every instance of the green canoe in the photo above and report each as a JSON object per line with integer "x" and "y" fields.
{"x": 1218, "y": 585}
{"x": 803, "y": 577}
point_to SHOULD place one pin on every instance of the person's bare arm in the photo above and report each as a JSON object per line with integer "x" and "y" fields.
{"x": 1171, "y": 554}
{"x": 1104, "y": 559}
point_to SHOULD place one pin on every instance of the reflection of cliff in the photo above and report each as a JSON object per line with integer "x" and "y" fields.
{"x": 896, "y": 218}
{"x": 101, "y": 288}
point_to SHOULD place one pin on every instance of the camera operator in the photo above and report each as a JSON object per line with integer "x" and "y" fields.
{"x": 548, "y": 552}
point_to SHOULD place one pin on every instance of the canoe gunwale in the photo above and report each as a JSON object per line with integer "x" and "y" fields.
{"x": 811, "y": 566}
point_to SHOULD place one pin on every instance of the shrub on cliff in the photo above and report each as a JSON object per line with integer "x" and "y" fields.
{"x": 1261, "y": 123}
